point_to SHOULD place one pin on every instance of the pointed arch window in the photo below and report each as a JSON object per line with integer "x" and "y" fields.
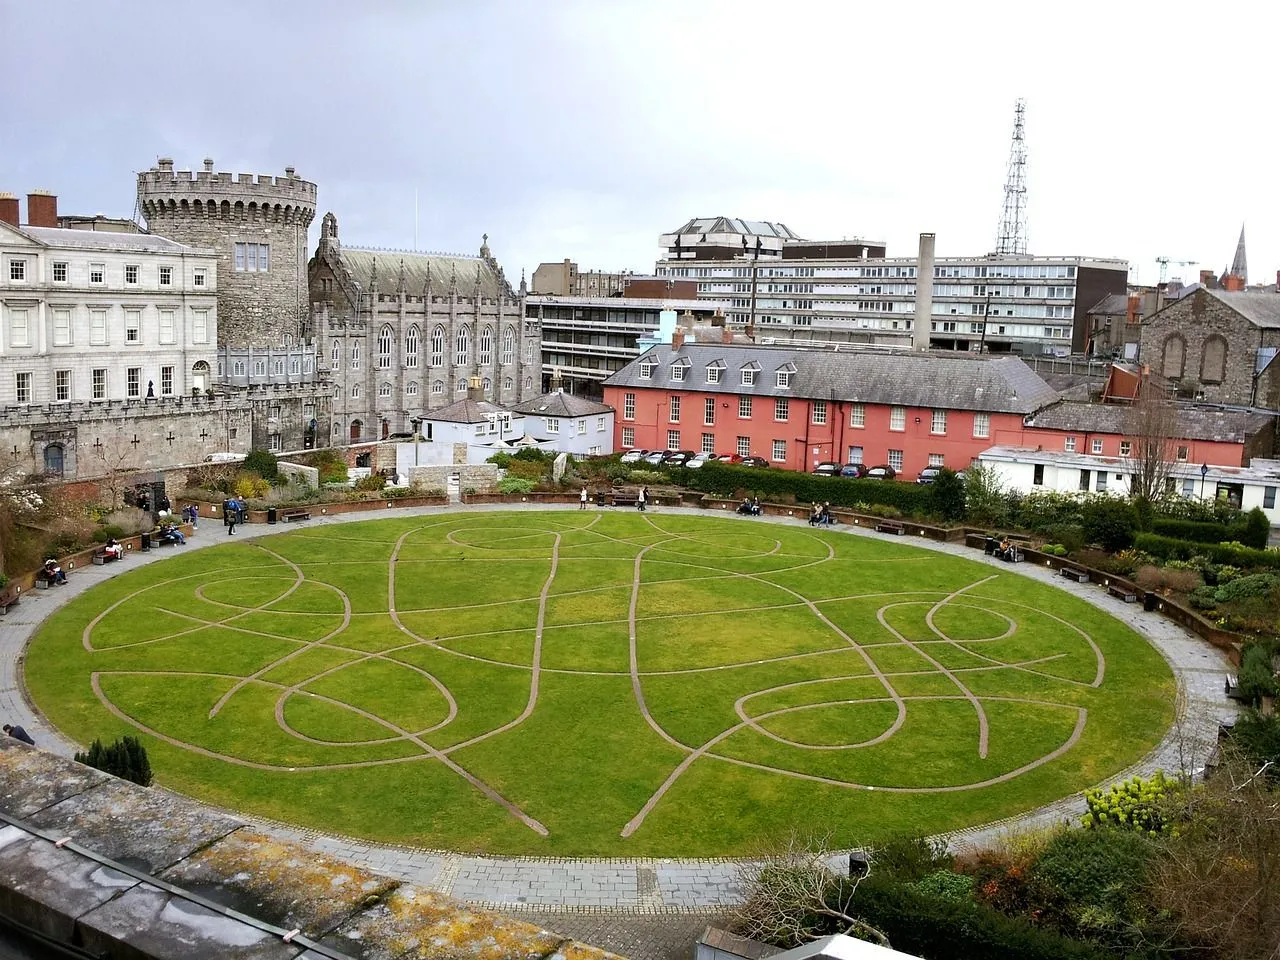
{"x": 437, "y": 346}
{"x": 463, "y": 345}
{"x": 437, "y": 387}
{"x": 488, "y": 386}
{"x": 411, "y": 347}
{"x": 462, "y": 384}
{"x": 508, "y": 345}
{"x": 484, "y": 355}
{"x": 384, "y": 347}
{"x": 336, "y": 357}
{"x": 355, "y": 355}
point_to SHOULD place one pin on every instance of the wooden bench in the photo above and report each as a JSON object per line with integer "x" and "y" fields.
{"x": 1071, "y": 573}
{"x": 289, "y": 516}
{"x": 625, "y": 499}
{"x": 42, "y": 582}
{"x": 890, "y": 526}
{"x": 1122, "y": 593}
{"x": 100, "y": 558}
{"x": 9, "y": 597}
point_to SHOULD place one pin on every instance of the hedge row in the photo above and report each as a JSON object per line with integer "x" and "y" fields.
{"x": 1169, "y": 548}
{"x": 1197, "y": 531}
{"x": 724, "y": 479}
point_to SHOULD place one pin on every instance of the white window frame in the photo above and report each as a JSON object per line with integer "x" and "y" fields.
{"x": 628, "y": 437}
{"x": 982, "y": 426}
{"x": 62, "y": 332}
{"x": 628, "y": 406}
{"x": 61, "y": 386}
{"x": 199, "y": 326}
{"x": 748, "y": 378}
{"x": 166, "y": 381}
{"x": 713, "y": 374}
{"x": 938, "y": 423}
{"x": 98, "y": 383}
{"x": 673, "y": 409}
{"x": 819, "y": 413}
{"x": 784, "y": 379}
{"x": 131, "y": 274}
{"x": 778, "y": 452}
{"x": 1095, "y": 446}
{"x": 673, "y": 440}
{"x": 166, "y": 276}
{"x": 553, "y": 424}
{"x": 97, "y": 274}
{"x": 897, "y": 419}
{"x": 133, "y": 326}
{"x": 1069, "y": 444}
{"x": 745, "y": 408}
{"x": 894, "y": 459}
{"x": 133, "y": 382}
{"x": 858, "y": 416}
{"x": 743, "y": 446}
{"x": 61, "y": 271}
{"x": 781, "y": 409}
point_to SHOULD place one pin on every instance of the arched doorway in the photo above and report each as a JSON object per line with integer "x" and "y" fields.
{"x": 357, "y": 428}
{"x": 199, "y": 377}
{"x": 54, "y": 459}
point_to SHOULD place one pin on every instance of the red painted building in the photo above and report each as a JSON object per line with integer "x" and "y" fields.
{"x": 798, "y": 408}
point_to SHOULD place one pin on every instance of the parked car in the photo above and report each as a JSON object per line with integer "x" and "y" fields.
{"x": 753, "y": 462}
{"x": 678, "y": 459}
{"x": 655, "y": 458}
{"x": 634, "y": 456}
{"x": 929, "y": 474}
{"x": 729, "y": 458}
{"x": 881, "y": 472}
{"x": 698, "y": 459}
{"x": 828, "y": 468}
{"x": 853, "y": 471}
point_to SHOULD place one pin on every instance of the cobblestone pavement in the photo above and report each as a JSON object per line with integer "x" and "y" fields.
{"x": 625, "y": 890}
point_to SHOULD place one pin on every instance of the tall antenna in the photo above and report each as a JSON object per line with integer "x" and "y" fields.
{"x": 1011, "y": 239}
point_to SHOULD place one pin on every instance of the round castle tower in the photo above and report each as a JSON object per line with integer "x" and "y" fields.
{"x": 258, "y": 227}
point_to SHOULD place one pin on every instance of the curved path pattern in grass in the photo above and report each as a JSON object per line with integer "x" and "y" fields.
{"x": 603, "y": 684}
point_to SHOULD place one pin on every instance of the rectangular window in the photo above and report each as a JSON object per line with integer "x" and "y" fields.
{"x": 1182, "y": 454}
{"x": 251, "y": 257}
{"x": 22, "y": 383}
{"x": 1037, "y": 475}
{"x": 784, "y": 379}
{"x": 62, "y": 384}
{"x": 133, "y": 382}
{"x": 131, "y": 273}
{"x": 781, "y": 408}
{"x": 1085, "y": 476}
{"x": 982, "y": 425}
{"x": 748, "y": 378}
{"x": 200, "y": 326}
{"x": 17, "y": 271}
{"x": 1126, "y": 446}
{"x": 858, "y": 416}
{"x": 1095, "y": 445}
{"x": 646, "y": 371}
{"x": 677, "y": 371}
{"x": 168, "y": 328}
{"x": 1100, "y": 483}
{"x": 132, "y": 326}
{"x": 895, "y": 459}
{"x": 1069, "y": 444}
{"x": 628, "y": 437}
{"x": 779, "y": 451}
{"x": 166, "y": 276}
{"x": 713, "y": 374}
{"x": 98, "y": 383}
{"x": 274, "y": 442}
{"x": 938, "y": 424}
{"x": 1188, "y": 487}
{"x": 198, "y": 278}
{"x": 743, "y": 447}
{"x": 59, "y": 272}
{"x": 819, "y": 412}
{"x": 673, "y": 439}
{"x": 1268, "y": 498}
{"x": 553, "y": 424}
{"x": 855, "y": 455}
{"x": 629, "y": 406}
{"x": 98, "y": 327}
{"x": 166, "y": 381}
{"x": 897, "y": 418}
{"x": 600, "y": 424}
{"x": 97, "y": 273}
{"x": 582, "y": 427}
{"x": 708, "y": 443}
{"x": 744, "y": 408}
{"x": 675, "y": 409}
{"x": 62, "y": 328}
{"x": 709, "y": 410}
{"x": 936, "y": 460}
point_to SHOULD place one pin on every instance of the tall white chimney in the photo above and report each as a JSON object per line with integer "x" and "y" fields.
{"x": 923, "y": 323}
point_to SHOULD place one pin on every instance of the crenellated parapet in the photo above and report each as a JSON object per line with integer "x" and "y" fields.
{"x": 165, "y": 194}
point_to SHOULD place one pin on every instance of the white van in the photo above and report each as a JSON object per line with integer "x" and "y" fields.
{"x": 224, "y": 457}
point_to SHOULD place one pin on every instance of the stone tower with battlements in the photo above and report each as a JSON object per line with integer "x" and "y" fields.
{"x": 257, "y": 224}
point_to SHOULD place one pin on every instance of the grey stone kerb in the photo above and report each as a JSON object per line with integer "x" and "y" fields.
{"x": 643, "y": 885}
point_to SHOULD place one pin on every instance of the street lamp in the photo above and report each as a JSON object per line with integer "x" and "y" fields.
{"x": 416, "y": 423}
{"x": 1204, "y": 471}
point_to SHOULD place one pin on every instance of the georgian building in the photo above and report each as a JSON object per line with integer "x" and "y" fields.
{"x": 401, "y": 333}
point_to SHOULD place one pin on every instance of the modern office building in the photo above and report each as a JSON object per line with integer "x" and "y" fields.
{"x": 798, "y": 292}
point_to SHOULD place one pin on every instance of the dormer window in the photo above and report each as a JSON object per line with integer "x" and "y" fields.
{"x": 646, "y": 369}
{"x": 713, "y": 373}
{"x": 748, "y": 378}
{"x": 784, "y": 379}
{"x": 677, "y": 371}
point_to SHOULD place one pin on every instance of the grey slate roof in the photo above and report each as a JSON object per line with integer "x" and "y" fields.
{"x": 1194, "y": 423}
{"x": 443, "y": 268}
{"x": 106, "y": 240}
{"x": 465, "y": 411}
{"x": 956, "y": 381}
{"x": 1112, "y": 305}
{"x": 1260, "y": 309}
{"x": 559, "y": 404}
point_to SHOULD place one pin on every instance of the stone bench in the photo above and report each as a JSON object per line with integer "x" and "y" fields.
{"x": 8, "y": 598}
{"x": 625, "y": 499}
{"x": 290, "y": 516}
{"x": 1071, "y": 573}
{"x": 890, "y": 526}
{"x": 1122, "y": 593}
{"x": 101, "y": 558}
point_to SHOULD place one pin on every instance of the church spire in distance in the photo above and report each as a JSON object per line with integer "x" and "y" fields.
{"x": 1239, "y": 265}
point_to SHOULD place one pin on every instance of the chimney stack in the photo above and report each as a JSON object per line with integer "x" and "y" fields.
{"x": 42, "y": 209}
{"x": 923, "y": 324}
{"x": 9, "y": 209}
{"x": 475, "y": 388}
{"x": 677, "y": 338}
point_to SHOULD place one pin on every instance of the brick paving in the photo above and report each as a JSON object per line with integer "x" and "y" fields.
{"x": 638, "y": 908}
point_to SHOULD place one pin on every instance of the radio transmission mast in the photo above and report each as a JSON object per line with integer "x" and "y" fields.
{"x": 1011, "y": 238}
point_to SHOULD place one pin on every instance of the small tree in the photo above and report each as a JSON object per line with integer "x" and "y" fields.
{"x": 126, "y": 758}
{"x": 1151, "y": 429}
{"x": 949, "y": 495}
{"x": 984, "y": 495}
{"x": 1108, "y": 522}
{"x": 263, "y": 463}
{"x": 1257, "y": 529}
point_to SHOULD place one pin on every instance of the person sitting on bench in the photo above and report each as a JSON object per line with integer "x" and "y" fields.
{"x": 169, "y": 533}
{"x": 1007, "y": 551}
{"x": 112, "y": 549}
{"x": 52, "y": 572}
{"x": 744, "y": 508}
{"x": 824, "y": 516}
{"x": 815, "y": 515}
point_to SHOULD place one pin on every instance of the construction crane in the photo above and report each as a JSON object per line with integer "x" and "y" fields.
{"x": 1164, "y": 266}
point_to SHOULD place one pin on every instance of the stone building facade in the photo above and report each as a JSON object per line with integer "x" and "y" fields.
{"x": 401, "y": 333}
{"x": 256, "y": 225}
{"x": 1217, "y": 345}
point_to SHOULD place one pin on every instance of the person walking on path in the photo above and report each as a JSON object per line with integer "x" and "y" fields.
{"x": 582, "y": 498}
{"x": 231, "y": 514}
{"x": 641, "y": 498}
{"x": 15, "y": 731}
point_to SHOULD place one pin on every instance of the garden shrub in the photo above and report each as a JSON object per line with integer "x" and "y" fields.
{"x": 250, "y": 486}
{"x": 1197, "y": 531}
{"x": 1256, "y": 677}
{"x": 126, "y": 758}
{"x": 1108, "y": 522}
{"x": 109, "y": 532}
{"x": 945, "y": 885}
{"x": 1166, "y": 578}
{"x": 646, "y": 477}
{"x": 1258, "y": 738}
{"x": 373, "y": 482}
{"x": 1254, "y": 585}
{"x": 1135, "y": 804}
{"x": 263, "y": 463}
{"x": 722, "y": 479}
{"x": 1203, "y": 598}
{"x": 1256, "y": 530}
{"x": 129, "y": 521}
{"x": 1070, "y": 535}
{"x": 910, "y": 858}
{"x": 949, "y": 495}
{"x": 510, "y": 484}
{"x": 527, "y": 469}
{"x": 1167, "y": 548}
{"x": 985, "y": 501}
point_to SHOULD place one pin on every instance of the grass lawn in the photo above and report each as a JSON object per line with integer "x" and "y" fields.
{"x": 816, "y": 678}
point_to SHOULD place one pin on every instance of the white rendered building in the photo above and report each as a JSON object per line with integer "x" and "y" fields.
{"x": 574, "y": 425}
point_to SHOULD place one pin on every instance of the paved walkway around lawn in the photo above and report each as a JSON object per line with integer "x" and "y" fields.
{"x": 623, "y": 887}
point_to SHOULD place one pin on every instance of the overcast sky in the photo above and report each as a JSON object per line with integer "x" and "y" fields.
{"x": 586, "y": 129}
